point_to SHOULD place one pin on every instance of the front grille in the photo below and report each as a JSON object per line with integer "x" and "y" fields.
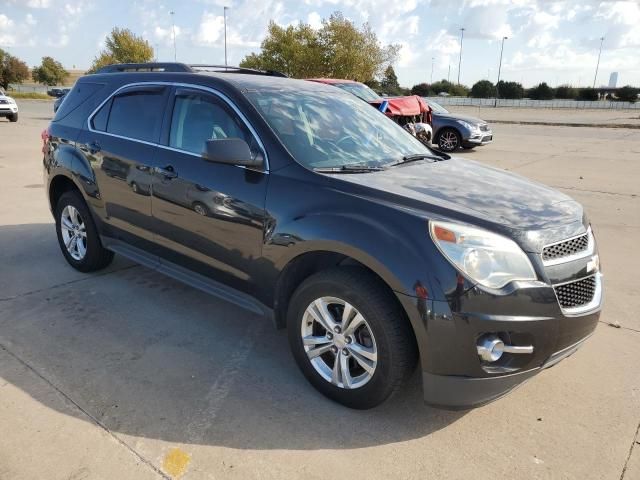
{"x": 484, "y": 128}
{"x": 576, "y": 294}
{"x": 566, "y": 248}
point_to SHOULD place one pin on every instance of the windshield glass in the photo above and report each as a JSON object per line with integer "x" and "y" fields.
{"x": 360, "y": 90}
{"x": 436, "y": 107}
{"x": 333, "y": 131}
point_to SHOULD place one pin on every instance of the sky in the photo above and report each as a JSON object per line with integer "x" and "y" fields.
{"x": 548, "y": 40}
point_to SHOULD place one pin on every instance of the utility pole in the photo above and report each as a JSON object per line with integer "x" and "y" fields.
{"x": 225, "y": 34}
{"x": 173, "y": 30}
{"x": 432, "y": 61}
{"x": 460, "y": 57}
{"x": 449, "y": 73}
{"x": 499, "y": 69}
{"x": 598, "y": 64}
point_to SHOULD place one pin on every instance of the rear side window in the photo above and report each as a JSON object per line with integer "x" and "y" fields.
{"x": 80, "y": 93}
{"x": 135, "y": 114}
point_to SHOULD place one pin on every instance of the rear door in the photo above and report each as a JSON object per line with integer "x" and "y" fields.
{"x": 121, "y": 144}
{"x": 209, "y": 216}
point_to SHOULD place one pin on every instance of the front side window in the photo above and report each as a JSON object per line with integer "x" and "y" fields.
{"x": 136, "y": 114}
{"x": 198, "y": 117}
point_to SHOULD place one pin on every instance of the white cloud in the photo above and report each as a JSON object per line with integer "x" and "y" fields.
{"x": 211, "y": 29}
{"x": 30, "y": 20}
{"x": 39, "y": 3}
{"x": 315, "y": 20}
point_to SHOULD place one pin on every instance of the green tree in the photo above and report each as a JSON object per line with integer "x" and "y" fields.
{"x": 421, "y": 89}
{"x": 566, "y": 92}
{"x": 511, "y": 90}
{"x": 389, "y": 82}
{"x": 588, "y": 94}
{"x": 12, "y": 70}
{"x": 541, "y": 91}
{"x": 483, "y": 89}
{"x": 627, "y": 94}
{"x": 338, "y": 49}
{"x": 50, "y": 72}
{"x": 123, "y": 46}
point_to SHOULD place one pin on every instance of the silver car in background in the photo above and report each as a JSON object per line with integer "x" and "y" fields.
{"x": 452, "y": 130}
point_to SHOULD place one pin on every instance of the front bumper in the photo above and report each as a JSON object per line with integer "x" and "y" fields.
{"x": 477, "y": 138}
{"x": 8, "y": 111}
{"x": 455, "y": 377}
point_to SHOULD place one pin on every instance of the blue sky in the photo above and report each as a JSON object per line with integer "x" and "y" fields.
{"x": 554, "y": 41}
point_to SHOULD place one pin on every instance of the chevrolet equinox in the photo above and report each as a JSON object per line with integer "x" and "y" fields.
{"x": 299, "y": 201}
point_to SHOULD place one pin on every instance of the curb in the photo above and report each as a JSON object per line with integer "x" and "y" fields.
{"x": 565, "y": 124}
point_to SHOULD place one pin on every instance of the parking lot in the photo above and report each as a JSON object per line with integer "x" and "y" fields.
{"x": 127, "y": 374}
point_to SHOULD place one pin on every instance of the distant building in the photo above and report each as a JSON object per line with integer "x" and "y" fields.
{"x": 613, "y": 79}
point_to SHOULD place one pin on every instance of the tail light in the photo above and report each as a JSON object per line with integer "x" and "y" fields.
{"x": 45, "y": 139}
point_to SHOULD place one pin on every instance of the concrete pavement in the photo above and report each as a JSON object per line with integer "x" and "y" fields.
{"x": 128, "y": 374}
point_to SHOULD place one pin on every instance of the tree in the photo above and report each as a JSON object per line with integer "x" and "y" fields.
{"x": 50, "y": 72}
{"x": 483, "y": 89}
{"x": 510, "y": 90}
{"x": 389, "y": 82}
{"x": 338, "y": 49}
{"x": 421, "y": 89}
{"x": 122, "y": 46}
{"x": 450, "y": 88}
{"x": 588, "y": 94}
{"x": 566, "y": 92}
{"x": 12, "y": 69}
{"x": 628, "y": 94}
{"x": 541, "y": 92}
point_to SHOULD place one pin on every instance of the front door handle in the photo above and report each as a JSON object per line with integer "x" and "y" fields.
{"x": 166, "y": 172}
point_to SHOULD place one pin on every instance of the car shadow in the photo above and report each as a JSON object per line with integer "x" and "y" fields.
{"x": 150, "y": 357}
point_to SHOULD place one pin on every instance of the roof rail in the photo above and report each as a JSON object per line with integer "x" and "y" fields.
{"x": 145, "y": 67}
{"x": 232, "y": 69}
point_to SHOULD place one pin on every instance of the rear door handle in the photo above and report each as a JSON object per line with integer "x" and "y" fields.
{"x": 166, "y": 172}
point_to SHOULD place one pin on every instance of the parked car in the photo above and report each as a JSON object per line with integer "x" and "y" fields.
{"x": 60, "y": 99}
{"x": 375, "y": 252}
{"x": 452, "y": 130}
{"x": 58, "y": 92}
{"x": 8, "y": 107}
{"x": 410, "y": 112}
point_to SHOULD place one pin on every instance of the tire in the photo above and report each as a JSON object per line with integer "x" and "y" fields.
{"x": 385, "y": 332}
{"x": 449, "y": 140}
{"x": 134, "y": 187}
{"x": 201, "y": 209}
{"x": 88, "y": 255}
{"x": 13, "y": 118}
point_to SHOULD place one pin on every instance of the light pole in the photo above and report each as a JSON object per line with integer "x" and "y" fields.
{"x": 499, "y": 69}
{"x": 449, "y": 73}
{"x": 225, "y": 34}
{"x": 433, "y": 59}
{"x": 598, "y": 64}
{"x": 173, "y": 30}
{"x": 460, "y": 57}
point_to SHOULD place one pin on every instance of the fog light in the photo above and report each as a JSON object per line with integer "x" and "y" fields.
{"x": 491, "y": 347}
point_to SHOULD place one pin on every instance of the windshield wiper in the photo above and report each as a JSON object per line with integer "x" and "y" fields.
{"x": 415, "y": 157}
{"x": 349, "y": 169}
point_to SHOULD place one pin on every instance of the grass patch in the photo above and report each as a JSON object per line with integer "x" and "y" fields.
{"x": 31, "y": 95}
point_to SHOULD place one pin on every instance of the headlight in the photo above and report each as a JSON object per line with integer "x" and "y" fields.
{"x": 486, "y": 258}
{"x": 468, "y": 125}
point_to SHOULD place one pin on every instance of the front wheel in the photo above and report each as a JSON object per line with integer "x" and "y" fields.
{"x": 449, "y": 140}
{"x": 13, "y": 118}
{"x": 350, "y": 338}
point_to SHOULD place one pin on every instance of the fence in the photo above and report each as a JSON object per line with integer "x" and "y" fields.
{"x": 527, "y": 103}
{"x": 29, "y": 88}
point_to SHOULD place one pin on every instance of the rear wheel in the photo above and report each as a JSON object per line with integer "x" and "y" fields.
{"x": 77, "y": 234}
{"x": 449, "y": 140}
{"x": 350, "y": 338}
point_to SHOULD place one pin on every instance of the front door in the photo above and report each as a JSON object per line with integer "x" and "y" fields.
{"x": 209, "y": 216}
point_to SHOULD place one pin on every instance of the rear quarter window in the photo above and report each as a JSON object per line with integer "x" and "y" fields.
{"x": 79, "y": 94}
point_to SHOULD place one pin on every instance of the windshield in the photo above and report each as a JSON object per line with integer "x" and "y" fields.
{"x": 360, "y": 90}
{"x": 436, "y": 107}
{"x": 334, "y": 131}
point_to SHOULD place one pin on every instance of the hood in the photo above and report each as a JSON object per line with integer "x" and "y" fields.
{"x": 406, "y": 106}
{"x": 467, "y": 191}
{"x": 456, "y": 116}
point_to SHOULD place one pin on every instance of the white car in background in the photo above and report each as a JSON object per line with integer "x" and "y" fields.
{"x": 8, "y": 107}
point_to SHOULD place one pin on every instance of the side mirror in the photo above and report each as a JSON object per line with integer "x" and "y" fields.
{"x": 232, "y": 151}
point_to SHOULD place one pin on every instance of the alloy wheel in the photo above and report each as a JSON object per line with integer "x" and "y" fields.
{"x": 339, "y": 342}
{"x": 74, "y": 233}
{"x": 449, "y": 141}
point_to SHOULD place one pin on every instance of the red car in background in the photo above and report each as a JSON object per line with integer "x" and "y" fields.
{"x": 411, "y": 112}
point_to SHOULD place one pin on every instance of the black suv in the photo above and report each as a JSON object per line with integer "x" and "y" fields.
{"x": 300, "y": 201}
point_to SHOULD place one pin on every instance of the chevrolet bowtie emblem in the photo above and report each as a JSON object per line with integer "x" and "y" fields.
{"x": 593, "y": 265}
